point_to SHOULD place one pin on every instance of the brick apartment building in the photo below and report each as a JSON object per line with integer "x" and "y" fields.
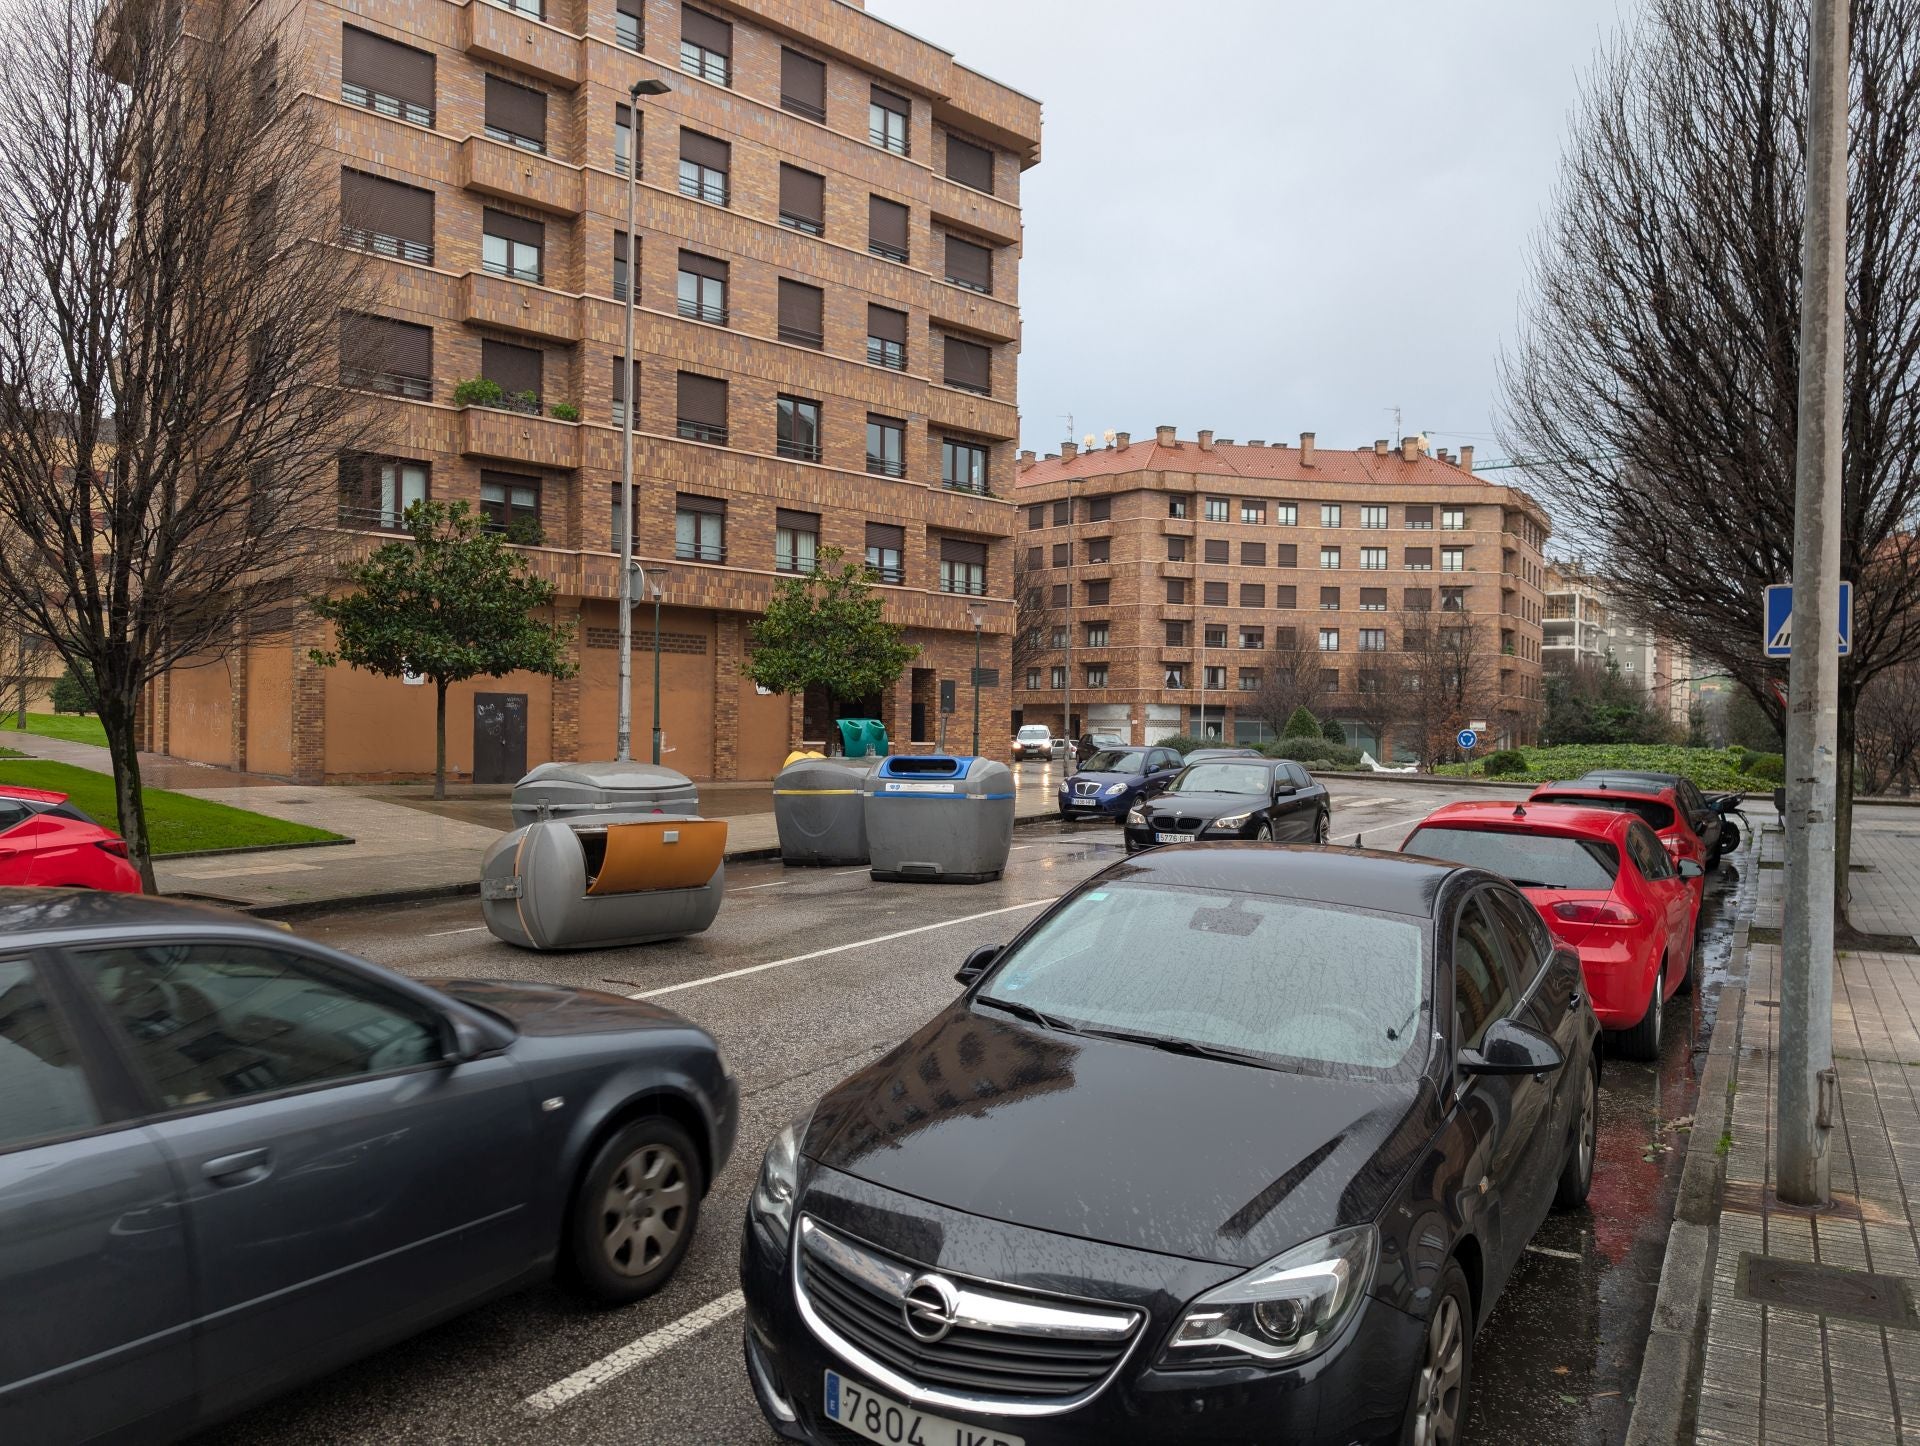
{"x": 827, "y": 267}
{"x": 1183, "y": 572}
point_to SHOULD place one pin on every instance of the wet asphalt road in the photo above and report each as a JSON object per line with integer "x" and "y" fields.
{"x": 845, "y": 969}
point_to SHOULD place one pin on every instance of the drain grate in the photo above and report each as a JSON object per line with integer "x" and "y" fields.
{"x": 1884, "y": 1300}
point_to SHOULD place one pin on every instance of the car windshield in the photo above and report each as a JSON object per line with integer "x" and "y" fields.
{"x": 1033, "y": 731}
{"x": 1656, "y": 814}
{"x": 1223, "y": 778}
{"x": 1286, "y": 983}
{"x": 1531, "y": 860}
{"x": 1116, "y": 760}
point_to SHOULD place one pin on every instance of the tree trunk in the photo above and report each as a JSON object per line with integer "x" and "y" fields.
{"x": 116, "y": 717}
{"x": 1843, "y": 773}
{"x": 439, "y": 739}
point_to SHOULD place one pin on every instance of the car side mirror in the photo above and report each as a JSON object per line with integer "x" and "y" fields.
{"x": 1509, "y": 1048}
{"x": 460, "y": 1040}
{"x": 978, "y": 962}
{"x": 1690, "y": 868}
{"x": 1285, "y": 790}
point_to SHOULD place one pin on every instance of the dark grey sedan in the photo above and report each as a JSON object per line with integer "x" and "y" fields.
{"x": 1233, "y": 797}
{"x": 231, "y": 1159}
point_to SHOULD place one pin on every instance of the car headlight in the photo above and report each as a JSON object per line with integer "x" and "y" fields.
{"x": 1112, "y": 788}
{"x": 1232, "y": 820}
{"x": 1289, "y": 1308}
{"x": 771, "y": 1204}
{"x": 1136, "y": 817}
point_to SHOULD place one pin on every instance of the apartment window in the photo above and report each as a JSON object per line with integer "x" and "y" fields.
{"x": 384, "y": 355}
{"x": 1373, "y": 599}
{"x": 796, "y": 540}
{"x": 1417, "y": 600}
{"x": 963, "y": 464}
{"x": 385, "y": 217}
{"x": 1329, "y": 599}
{"x": 510, "y": 503}
{"x": 1286, "y": 554}
{"x": 1453, "y": 559}
{"x": 532, "y": 9}
{"x": 1033, "y": 680}
{"x": 1286, "y": 514}
{"x": 1062, "y": 597}
{"x": 703, "y": 288}
{"x": 1036, "y": 558}
{"x": 886, "y": 228}
{"x": 1036, "y": 516}
{"x": 1099, "y": 592}
{"x": 886, "y": 546}
{"x": 970, "y": 265}
{"x": 385, "y": 76}
{"x": 886, "y": 338}
{"x": 1329, "y": 680}
{"x": 1373, "y": 640}
{"x": 1253, "y": 554}
{"x": 803, "y": 200}
{"x": 266, "y": 83}
{"x": 888, "y": 117}
{"x": 1329, "y": 640}
{"x": 1253, "y": 595}
{"x": 969, "y": 164}
{"x": 511, "y": 245}
{"x": 377, "y": 491}
{"x": 1249, "y": 680}
{"x": 1253, "y": 639}
{"x": 1177, "y": 507}
{"x": 1283, "y": 639}
{"x": 1176, "y": 676}
{"x": 1176, "y": 549}
{"x": 1373, "y": 559}
{"x": 706, "y": 46}
{"x": 622, "y": 374}
{"x": 516, "y": 115}
{"x": 702, "y": 411}
{"x": 1373, "y": 517}
{"x": 1214, "y": 594}
{"x": 1099, "y": 509}
{"x": 1420, "y": 519}
{"x": 803, "y": 85}
{"x": 1286, "y": 597}
{"x": 1062, "y": 513}
{"x": 886, "y": 446}
{"x": 969, "y": 366}
{"x": 699, "y": 529}
{"x": 1252, "y": 511}
{"x": 623, "y": 148}
{"x": 963, "y": 566}
{"x": 1176, "y": 635}
{"x": 1453, "y": 519}
{"x": 1330, "y": 558}
{"x": 1216, "y": 550}
{"x": 1213, "y": 678}
{"x": 1329, "y": 514}
{"x": 1216, "y": 509}
{"x": 800, "y": 309}
{"x": 1419, "y": 559}
{"x": 1097, "y": 634}
{"x": 704, "y": 167}
{"x": 1096, "y": 675}
{"x": 629, "y": 24}
{"x": 1453, "y": 599}
{"x": 1177, "y": 591}
{"x": 1062, "y": 554}
{"x": 797, "y": 429}
{"x": 1215, "y": 635}
{"x": 1099, "y": 549}
{"x": 619, "y": 266}
{"x": 1057, "y": 676}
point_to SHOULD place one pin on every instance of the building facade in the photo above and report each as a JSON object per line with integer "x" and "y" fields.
{"x": 1177, "y": 585}
{"x": 1587, "y": 624}
{"x": 826, "y": 268}
{"x": 1578, "y": 621}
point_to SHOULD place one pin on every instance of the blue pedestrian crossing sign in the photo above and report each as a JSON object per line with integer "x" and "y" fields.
{"x": 1467, "y": 739}
{"x": 1778, "y": 633}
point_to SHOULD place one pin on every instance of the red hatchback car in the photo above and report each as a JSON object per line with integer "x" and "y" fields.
{"x": 1660, "y": 808}
{"x": 1606, "y": 888}
{"x": 45, "y": 842}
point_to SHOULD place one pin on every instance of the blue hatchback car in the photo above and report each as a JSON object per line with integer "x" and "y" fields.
{"x": 1114, "y": 779}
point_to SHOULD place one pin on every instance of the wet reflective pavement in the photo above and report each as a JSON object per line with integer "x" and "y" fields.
{"x": 1559, "y": 1358}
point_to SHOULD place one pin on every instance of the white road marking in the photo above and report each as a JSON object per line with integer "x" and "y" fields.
{"x": 774, "y": 885}
{"x": 1556, "y": 1254}
{"x": 591, "y": 1378}
{"x": 470, "y": 929}
{"x": 861, "y": 870}
{"x": 836, "y": 949}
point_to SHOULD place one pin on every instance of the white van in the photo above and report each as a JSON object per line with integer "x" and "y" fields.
{"x": 1034, "y": 740}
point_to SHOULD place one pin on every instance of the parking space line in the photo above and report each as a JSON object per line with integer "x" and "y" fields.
{"x": 470, "y": 929}
{"x": 1556, "y": 1254}
{"x": 591, "y": 1378}
{"x": 774, "y": 885}
{"x": 836, "y": 949}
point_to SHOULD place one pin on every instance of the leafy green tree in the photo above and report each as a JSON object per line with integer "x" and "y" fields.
{"x": 454, "y": 603}
{"x": 73, "y": 691}
{"x": 1302, "y": 724}
{"x": 1333, "y": 732}
{"x": 825, "y": 630}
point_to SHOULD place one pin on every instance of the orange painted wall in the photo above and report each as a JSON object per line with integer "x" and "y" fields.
{"x": 381, "y": 726}
{"x": 765, "y": 724}
{"x": 200, "y": 719}
{"x": 686, "y": 687}
{"x": 270, "y": 707}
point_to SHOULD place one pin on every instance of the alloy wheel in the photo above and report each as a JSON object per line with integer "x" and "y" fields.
{"x": 1436, "y": 1420}
{"x": 1589, "y": 1126}
{"x": 644, "y": 1211}
{"x": 1320, "y": 828}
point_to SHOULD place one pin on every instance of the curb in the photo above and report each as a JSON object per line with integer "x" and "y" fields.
{"x": 279, "y": 848}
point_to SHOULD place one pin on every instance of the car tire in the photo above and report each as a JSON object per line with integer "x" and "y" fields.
{"x": 1576, "y": 1176}
{"x": 1442, "y": 1387}
{"x": 635, "y": 1212}
{"x": 1642, "y": 1041}
{"x": 1322, "y": 827}
{"x": 1263, "y": 832}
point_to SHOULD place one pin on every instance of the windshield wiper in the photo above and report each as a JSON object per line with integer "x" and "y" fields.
{"x": 1183, "y": 1046}
{"x": 1027, "y": 1012}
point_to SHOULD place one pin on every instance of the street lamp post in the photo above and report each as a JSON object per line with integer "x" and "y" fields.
{"x": 658, "y": 589}
{"x": 979, "y": 621}
{"x": 623, "y": 728}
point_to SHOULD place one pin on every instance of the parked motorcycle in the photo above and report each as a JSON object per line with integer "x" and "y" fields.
{"x": 1727, "y": 805}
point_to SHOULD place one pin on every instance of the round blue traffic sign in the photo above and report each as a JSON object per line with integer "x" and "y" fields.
{"x": 1468, "y": 739}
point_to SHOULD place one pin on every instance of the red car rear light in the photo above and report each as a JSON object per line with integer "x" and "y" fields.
{"x": 1673, "y": 844}
{"x": 1595, "y": 911}
{"x": 115, "y": 846}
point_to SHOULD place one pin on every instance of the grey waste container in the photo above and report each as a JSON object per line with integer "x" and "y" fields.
{"x": 582, "y": 883}
{"x": 939, "y": 819}
{"x": 819, "y": 812}
{"x": 566, "y": 790}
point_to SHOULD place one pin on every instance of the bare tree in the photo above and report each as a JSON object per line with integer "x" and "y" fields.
{"x": 1034, "y": 618}
{"x": 1374, "y": 702}
{"x": 1889, "y": 730}
{"x": 1289, "y": 677}
{"x": 1442, "y": 680}
{"x": 170, "y": 301}
{"x": 1654, "y": 388}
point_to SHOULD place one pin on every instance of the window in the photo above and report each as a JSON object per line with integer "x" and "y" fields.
{"x": 706, "y": 46}
{"x": 969, "y": 366}
{"x": 702, "y": 410}
{"x": 1097, "y": 634}
{"x": 1214, "y": 635}
{"x": 510, "y": 245}
{"x": 1453, "y": 599}
{"x": 1177, "y": 507}
{"x": 1099, "y": 549}
{"x": 803, "y": 85}
{"x": 888, "y": 116}
{"x": 43, "y": 1086}
{"x": 1216, "y": 509}
{"x": 963, "y": 567}
{"x": 970, "y": 265}
{"x": 1286, "y": 514}
{"x": 1373, "y": 517}
{"x": 1176, "y": 676}
{"x": 1373, "y": 640}
{"x": 886, "y": 446}
{"x": 1253, "y": 554}
{"x": 324, "y": 1023}
{"x": 1329, "y": 599}
{"x": 1373, "y": 599}
{"x": 963, "y": 464}
{"x": 511, "y": 504}
{"x": 1253, "y": 595}
{"x": 1330, "y": 558}
{"x": 385, "y": 217}
{"x": 704, "y": 166}
{"x": 1420, "y": 519}
{"x": 1419, "y": 559}
{"x": 1216, "y": 550}
{"x": 384, "y": 355}
{"x": 621, "y": 375}
{"x": 1251, "y": 511}
{"x": 1529, "y": 943}
{"x": 1453, "y": 519}
{"x": 629, "y": 24}
{"x": 1329, "y": 680}
{"x": 1329, "y": 640}
{"x": 1177, "y": 590}
{"x": 1453, "y": 559}
{"x": 1329, "y": 514}
{"x": 1096, "y": 675}
{"x": 703, "y": 288}
{"x": 623, "y": 147}
{"x": 619, "y": 266}
{"x": 516, "y": 115}
{"x": 886, "y": 544}
{"x": 532, "y": 9}
{"x": 1062, "y": 597}
{"x": 1062, "y": 513}
{"x": 886, "y": 228}
{"x": 886, "y": 338}
{"x": 1249, "y": 680}
{"x": 1176, "y": 634}
{"x": 1286, "y": 554}
{"x": 1283, "y": 639}
{"x": 969, "y": 164}
{"x": 385, "y": 76}
{"x": 699, "y": 529}
{"x": 1480, "y": 991}
{"x": 1036, "y": 516}
{"x": 800, "y": 309}
{"x": 803, "y": 200}
{"x": 1373, "y": 559}
{"x": 1286, "y": 597}
{"x": 1099, "y": 509}
{"x": 1062, "y": 554}
{"x": 1033, "y": 680}
{"x": 266, "y": 83}
{"x": 516, "y": 370}
{"x": 796, "y": 540}
{"x": 797, "y": 429}
{"x": 1213, "y": 678}
{"x": 1176, "y": 549}
{"x": 1099, "y": 592}
{"x": 1253, "y": 638}
{"x": 1214, "y": 594}
{"x": 1057, "y": 676}
{"x": 377, "y": 491}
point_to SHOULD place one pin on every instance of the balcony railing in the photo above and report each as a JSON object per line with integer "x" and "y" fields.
{"x": 978, "y": 391}
{"x": 696, "y": 189}
{"x": 886, "y": 466}
{"x": 804, "y": 107}
{"x": 510, "y": 138}
{"x": 891, "y": 572}
{"x": 512, "y": 273}
{"x": 707, "y": 64}
{"x": 970, "y": 285}
{"x": 396, "y": 384}
{"x": 699, "y": 311}
{"x": 798, "y": 451}
{"x": 802, "y": 223}
{"x": 952, "y": 484}
{"x": 381, "y": 244}
{"x": 361, "y": 518}
{"x": 700, "y": 551}
{"x": 801, "y": 336}
{"x": 887, "y": 250}
{"x": 701, "y": 432}
{"x": 383, "y": 104}
{"x": 889, "y": 354}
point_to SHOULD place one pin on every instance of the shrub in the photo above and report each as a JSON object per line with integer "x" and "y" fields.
{"x": 1315, "y": 752}
{"x": 526, "y": 532}
{"x": 1767, "y": 767}
{"x": 565, "y": 411}
{"x": 1184, "y": 743}
{"x": 1333, "y": 732}
{"x": 1506, "y": 760}
{"x": 73, "y": 693}
{"x": 479, "y": 392}
{"x": 1302, "y": 724}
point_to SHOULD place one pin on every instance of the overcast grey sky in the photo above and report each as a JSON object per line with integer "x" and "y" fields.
{"x": 1275, "y": 216}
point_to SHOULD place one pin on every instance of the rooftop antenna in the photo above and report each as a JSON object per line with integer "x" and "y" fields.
{"x": 1397, "y": 433}
{"x": 1067, "y": 417}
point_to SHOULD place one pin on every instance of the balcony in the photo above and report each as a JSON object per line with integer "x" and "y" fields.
{"x": 492, "y": 32}
{"x": 520, "y": 437}
{"x": 521, "y": 307}
{"x": 495, "y": 169}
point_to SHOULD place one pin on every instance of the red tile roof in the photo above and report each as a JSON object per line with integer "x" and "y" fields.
{"x": 1276, "y": 464}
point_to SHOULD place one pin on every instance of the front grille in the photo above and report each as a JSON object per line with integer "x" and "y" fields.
{"x": 1086, "y": 790}
{"x": 1008, "y": 1347}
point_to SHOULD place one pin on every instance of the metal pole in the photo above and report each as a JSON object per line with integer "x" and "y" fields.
{"x": 657, "y": 590}
{"x": 1067, "y": 761}
{"x": 623, "y": 729}
{"x": 976, "y": 686}
{"x": 1806, "y": 1081}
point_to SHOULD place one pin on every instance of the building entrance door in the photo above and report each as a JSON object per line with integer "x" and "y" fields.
{"x": 499, "y": 737}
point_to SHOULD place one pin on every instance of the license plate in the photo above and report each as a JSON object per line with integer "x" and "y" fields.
{"x": 1174, "y": 838}
{"x": 879, "y": 1418}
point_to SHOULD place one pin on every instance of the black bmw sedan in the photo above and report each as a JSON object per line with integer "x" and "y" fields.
{"x": 1232, "y": 1145}
{"x": 1233, "y": 797}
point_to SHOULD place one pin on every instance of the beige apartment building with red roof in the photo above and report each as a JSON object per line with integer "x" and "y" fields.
{"x": 1176, "y": 585}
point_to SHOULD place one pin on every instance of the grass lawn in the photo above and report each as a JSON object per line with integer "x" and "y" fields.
{"x": 73, "y": 727}
{"x": 175, "y": 823}
{"x": 1713, "y": 770}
